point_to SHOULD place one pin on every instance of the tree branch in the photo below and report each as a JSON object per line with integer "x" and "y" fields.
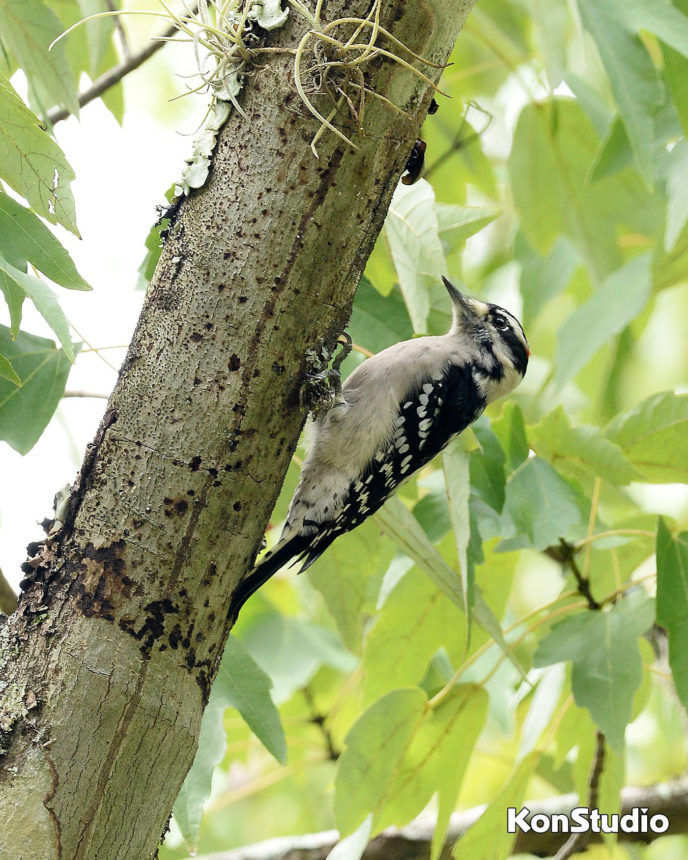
{"x": 114, "y": 75}
{"x": 413, "y": 842}
{"x": 106, "y": 665}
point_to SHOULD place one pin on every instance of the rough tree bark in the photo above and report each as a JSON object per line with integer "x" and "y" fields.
{"x": 106, "y": 664}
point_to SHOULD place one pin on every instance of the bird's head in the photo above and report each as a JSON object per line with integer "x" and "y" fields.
{"x": 497, "y": 333}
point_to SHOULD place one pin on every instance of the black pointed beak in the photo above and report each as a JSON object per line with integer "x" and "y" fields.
{"x": 463, "y": 308}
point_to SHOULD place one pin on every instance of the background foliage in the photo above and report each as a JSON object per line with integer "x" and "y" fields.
{"x": 556, "y": 184}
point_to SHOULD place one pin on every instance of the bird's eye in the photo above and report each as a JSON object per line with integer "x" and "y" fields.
{"x": 500, "y": 323}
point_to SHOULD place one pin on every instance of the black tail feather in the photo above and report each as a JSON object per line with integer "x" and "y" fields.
{"x": 265, "y": 568}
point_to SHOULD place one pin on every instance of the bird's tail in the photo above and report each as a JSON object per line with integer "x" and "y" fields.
{"x": 286, "y": 550}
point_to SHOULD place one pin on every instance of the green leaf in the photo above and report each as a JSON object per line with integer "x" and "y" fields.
{"x": 677, "y": 194}
{"x": 44, "y": 300}
{"x": 374, "y": 749}
{"x": 291, "y": 650}
{"x": 456, "y": 466}
{"x": 675, "y": 72}
{"x": 378, "y": 321}
{"x": 580, "y": 449}
{"x": 510, "y": 430}
{"x": 98, "y": 33}
{"x": 395, "y": 758}
{"x": 488, "y": 837}
{"x": 344, "y": 577}
{"x": 672, "y": 602}
{"x": 432, "y": 512}
{"x": 7, "y": 371}
{"x": 400, "y": 524}
{"x": 658, "y": 17}
{"x": 243, "y": 685}
{"x": 412, "y": 231}
{"x": 607, "y": 667}
{"x": 25, "y": 238}
{"x": 653, "y": 435}
{"x": 488, "y": 479}
{"x": 409, "y": 536}
{"x": 544, "y": 278}
{"x": 609, "y": 310}
{"x": 43, "y": 370}
{"x": 632, "y": 76}
{"x": 14, "y": 296}
{"x": 540, "y": 507}
{"x": 28, "y": 27}
{"x": 415, "y": 621}
{"x": 615, "y": 153}
{"x": 456, "y": 223}
{"x": 32, "y": 163}
{"x": 188, "y": 807}
{"x": 240, "y": 684}
{"x": 153, "y": 245}
{"x": 553, "y": 149}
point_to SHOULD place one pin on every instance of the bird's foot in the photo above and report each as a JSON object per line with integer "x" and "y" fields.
{"x": 322, "y": 386}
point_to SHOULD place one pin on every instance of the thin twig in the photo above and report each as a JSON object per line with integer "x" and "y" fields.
{"x": 119, "y": 29}
{"x": 86, "y": 394}
{"x": 577, "y": 841}
{"x": 565, "y": 554}
{"x": 114, "y": 75}
{"x": 318, "y": 720}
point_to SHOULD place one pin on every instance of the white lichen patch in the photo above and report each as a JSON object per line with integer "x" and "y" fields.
{"x": 269, "y": 14}
{"x": 223, "y": 45}
{"x": 197, "y": 167}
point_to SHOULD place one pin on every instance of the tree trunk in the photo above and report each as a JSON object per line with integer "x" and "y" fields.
{"x": 107, "y": 663}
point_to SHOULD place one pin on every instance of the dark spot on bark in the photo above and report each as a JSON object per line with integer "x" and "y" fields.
{"x": 243, "y": 300}
{"x": 190, "y": 492}
{"x": 208, "y": 326}
{"x": 234, "y": 362}
{"x": 212, "y": 472}
{"x": 196, "y": 381}
{"x": 278, "y": 368}
{"x": 181, "y": 506}
{"x": 220, "y": 287}
{"x": 196, "y": 336}
{"x": 195, "y": 464}
{"x": 237, "y": 506}
{"x": 175, "y": 637}
{"x": 99, "y": 580}
{"x": 153, "y": 627}
{"x": 191, "y": 658}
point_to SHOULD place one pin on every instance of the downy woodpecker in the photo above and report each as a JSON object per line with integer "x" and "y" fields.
{"x": 395, "y": 412}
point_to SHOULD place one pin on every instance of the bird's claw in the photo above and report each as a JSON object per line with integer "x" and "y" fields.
{"x": 321, "y": 389}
